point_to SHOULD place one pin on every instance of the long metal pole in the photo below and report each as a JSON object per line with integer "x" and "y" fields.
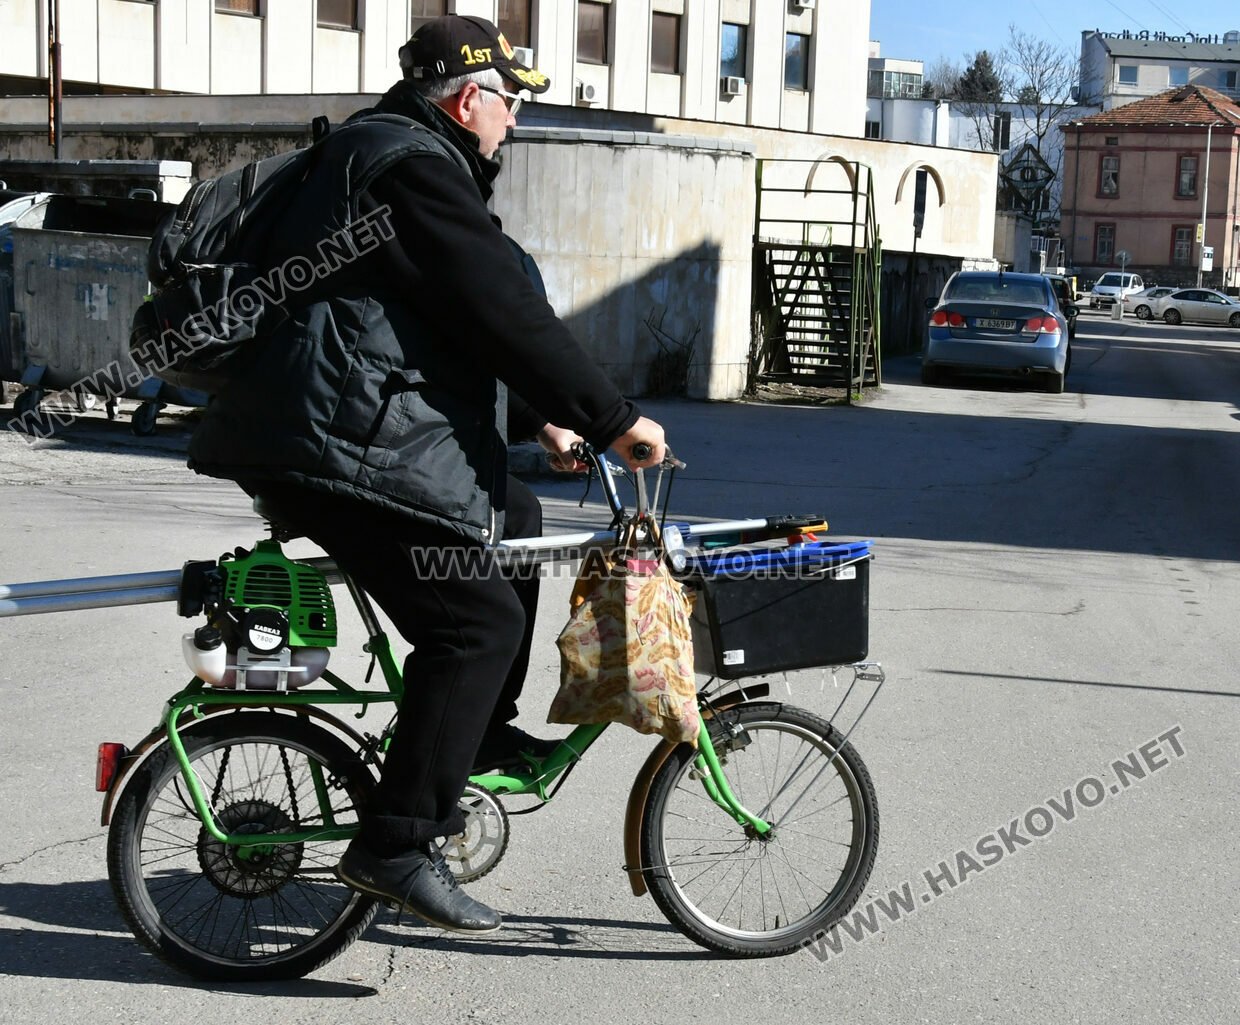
{"x": 54, "y": 76}
{"x": 40, "y": 596}
{"x": 1205, "y": 199}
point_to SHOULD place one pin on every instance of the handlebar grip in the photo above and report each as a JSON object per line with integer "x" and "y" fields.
{"x": 641, "y": 451}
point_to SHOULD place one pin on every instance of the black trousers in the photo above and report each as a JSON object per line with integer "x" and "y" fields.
{"x": 470, "y": 623}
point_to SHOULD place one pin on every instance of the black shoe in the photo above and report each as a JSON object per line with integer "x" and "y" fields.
{"x": 506, "y": 747}
{"x": 419, "y": 882}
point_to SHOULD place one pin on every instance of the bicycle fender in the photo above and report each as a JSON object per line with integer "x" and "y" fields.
{"x": 158, "y": 738}
{"x": 635, "y": 811}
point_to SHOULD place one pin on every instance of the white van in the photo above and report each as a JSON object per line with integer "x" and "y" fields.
{"x": 1114, "y": 286}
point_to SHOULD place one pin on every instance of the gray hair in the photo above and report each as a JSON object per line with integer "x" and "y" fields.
{"x": 435, "y": 89}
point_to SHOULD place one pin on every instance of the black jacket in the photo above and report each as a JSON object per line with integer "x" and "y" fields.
{"x": 383, "y": 384}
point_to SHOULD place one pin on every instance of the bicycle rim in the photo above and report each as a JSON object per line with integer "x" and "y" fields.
{"x": 732, "y": 890}
{"x": 202, "y": 904}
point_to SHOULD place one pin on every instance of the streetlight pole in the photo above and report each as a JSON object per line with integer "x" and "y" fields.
{"x": 1205, "y": 199}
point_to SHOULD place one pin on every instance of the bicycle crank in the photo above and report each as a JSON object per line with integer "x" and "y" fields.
{"x": 472, "y": 854}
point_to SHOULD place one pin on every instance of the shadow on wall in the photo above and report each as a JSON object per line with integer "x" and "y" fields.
{"x": 904, "y": 316}
{"x": 655, "y": 334}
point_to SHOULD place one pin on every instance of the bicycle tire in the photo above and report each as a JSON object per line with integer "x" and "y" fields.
{"x": 698, "y": 900}
{"x": 192, "y": 900}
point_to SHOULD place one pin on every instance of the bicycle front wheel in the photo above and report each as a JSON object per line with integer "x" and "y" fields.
{"x": 731, "y": 890}
{"x": 216, "y": 910}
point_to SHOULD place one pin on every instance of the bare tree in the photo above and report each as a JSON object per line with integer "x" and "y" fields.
{"x": 1041, "y": 77}
{"x": 941, "y": 80}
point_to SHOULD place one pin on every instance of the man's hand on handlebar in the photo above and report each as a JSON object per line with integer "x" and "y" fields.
{"x": 558, "y": 443}
{"x": 642, "y": 445}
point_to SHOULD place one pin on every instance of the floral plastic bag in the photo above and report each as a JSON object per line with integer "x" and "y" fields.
{"x": 626, "y": 653}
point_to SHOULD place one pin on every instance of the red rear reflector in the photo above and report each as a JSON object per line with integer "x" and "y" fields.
{"x": 106, "y": 763}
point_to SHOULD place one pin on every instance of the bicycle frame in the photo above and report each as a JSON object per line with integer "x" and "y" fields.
{"x": 533, "y": 779}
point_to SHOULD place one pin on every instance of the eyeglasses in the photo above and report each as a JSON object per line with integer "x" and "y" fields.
{"x": 511, "y": 100}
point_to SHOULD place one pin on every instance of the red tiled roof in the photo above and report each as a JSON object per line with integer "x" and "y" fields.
{"x": 1184, "y": 105}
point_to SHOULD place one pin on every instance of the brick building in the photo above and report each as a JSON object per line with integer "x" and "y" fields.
{"x": 1142, "y": 179}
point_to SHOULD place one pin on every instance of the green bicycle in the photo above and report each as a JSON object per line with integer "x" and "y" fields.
{"x": 225, "y": 821}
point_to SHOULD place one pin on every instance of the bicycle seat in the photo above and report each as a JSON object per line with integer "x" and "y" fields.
{"x": 277, "y": 519}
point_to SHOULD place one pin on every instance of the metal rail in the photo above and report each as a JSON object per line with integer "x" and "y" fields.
{"x": 41, "y": 596}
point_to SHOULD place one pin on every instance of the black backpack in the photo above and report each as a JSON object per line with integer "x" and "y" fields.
{"x": 209, "y": 297}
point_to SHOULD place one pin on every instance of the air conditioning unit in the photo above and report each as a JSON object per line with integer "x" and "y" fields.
{"x": 586, "y": 93}
{"x": 732, "y": 85}
{"x": 523, "y": 55}
{"x": 803, "y": 5}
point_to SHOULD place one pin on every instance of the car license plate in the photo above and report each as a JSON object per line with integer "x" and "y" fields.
{"x": 1000, "y": 325}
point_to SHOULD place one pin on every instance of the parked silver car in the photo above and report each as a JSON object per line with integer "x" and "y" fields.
{"x": 992, "y": 322}
{"x": 1147, "y": 304}
{"x": 1200, "y": 306}
{"x": 1114, "y": 286}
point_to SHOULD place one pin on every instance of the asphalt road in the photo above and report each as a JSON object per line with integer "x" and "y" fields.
{"x": 1055, "y": 589}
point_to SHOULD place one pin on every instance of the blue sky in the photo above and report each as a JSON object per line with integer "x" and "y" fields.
{"x": 921, "y": 30}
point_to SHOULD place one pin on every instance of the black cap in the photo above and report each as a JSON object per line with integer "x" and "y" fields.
{"x": 457, "y": 45}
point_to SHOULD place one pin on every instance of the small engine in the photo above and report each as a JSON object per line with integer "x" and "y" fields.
{"x": 270, "y": 620}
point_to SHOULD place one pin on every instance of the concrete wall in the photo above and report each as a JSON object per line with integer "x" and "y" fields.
{"x": 638, "y": 281}
{"x": 920, "y": 122}
{"x": 218, "y": 133}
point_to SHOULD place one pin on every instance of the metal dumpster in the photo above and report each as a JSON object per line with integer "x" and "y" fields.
{"x": 12, "y": 204}
{"x": 79, "y": 272}
{"x": 165, "y": 180}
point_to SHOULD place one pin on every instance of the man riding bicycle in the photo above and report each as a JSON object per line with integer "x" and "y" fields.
{"x": 373, "y": 417}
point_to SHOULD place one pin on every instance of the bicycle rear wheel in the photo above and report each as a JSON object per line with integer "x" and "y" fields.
{"x": 205, "y": 906}
{"x": 727, "y": 888}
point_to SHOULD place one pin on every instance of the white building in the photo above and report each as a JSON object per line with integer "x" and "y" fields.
{"x": 768, "y": 63}
{"x": 1119, "y": 67}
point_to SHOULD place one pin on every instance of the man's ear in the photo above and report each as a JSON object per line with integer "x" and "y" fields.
{"x": 462, "y": 107}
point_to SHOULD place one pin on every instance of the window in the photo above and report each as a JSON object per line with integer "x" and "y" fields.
{"x": 422, "y": 11}
{"x": 514, "y": 21}
{"x": 1003, "y": 130}
{"x": 665, "y": 43}
{"x": 1127, "y": 74}
{"x": 873, "y": 129}
{"x": 894, "y": 85}
{"x": 796, "y": 61}
{"x": 1182, "y": 245}
{"x": 237, "y": 7}
{"x": 338, "y": 13}
{"x": 1178, "y": 76}
{"x": 1186, "y": 178}
{"x": 1112, "y": 140}
{"x": 591, "y": 32}
{"x": 1229, "y": 79}
{"x": 1104, "y": 243}
{"x": 733, "y": 46}
{"x": 1108, "y": 176}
